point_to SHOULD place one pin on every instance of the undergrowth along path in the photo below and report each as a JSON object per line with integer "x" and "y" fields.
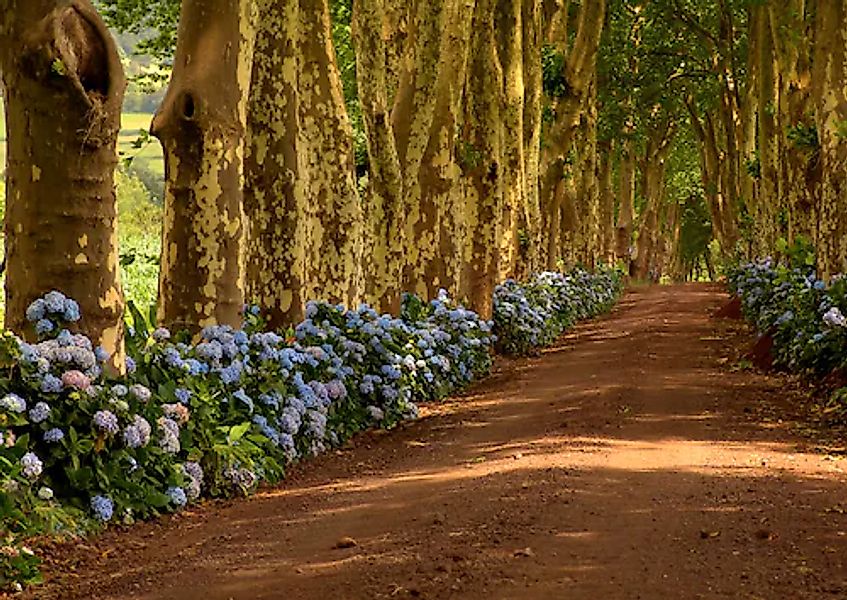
{"x": 630, "y": 461}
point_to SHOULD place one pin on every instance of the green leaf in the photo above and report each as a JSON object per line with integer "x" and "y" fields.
{"x": 236, "y": 432}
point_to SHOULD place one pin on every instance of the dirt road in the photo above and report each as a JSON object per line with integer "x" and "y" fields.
{"x": 630, "y": 462}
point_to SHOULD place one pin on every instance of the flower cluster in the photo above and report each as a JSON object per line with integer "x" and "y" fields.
{"x": 218, "y": 413}
{"x": 803, "y": 314}
{"x": 529, "y": 316}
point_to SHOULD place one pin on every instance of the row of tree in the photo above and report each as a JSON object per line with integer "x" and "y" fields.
{"x": 503, "y": 136}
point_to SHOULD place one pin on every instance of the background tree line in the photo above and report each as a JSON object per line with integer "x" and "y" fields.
{"x": 355, "y": 150}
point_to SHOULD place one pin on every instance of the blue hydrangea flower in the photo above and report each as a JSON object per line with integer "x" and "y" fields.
{"x": 44, "y": 326}
{"x": 31, "y": 466}
{"x": 137, "y": 433}
{"x": 103, "y": 508}
{"x": 39, "y": 413}
{"x": 130, "y": 365}
{"x": 51, "y": 384}
{"x": 36, "y": 310}
{"x": 13, "y": 403}
{"x": 142, "y": 393}
{"x": 161, "y": 334}
{"x": 177, "y": 496}
{"x": 70, "y": 312}
{"x": 53, "y": 436}
{"x": 102, "y": 355}
{"x": 182, "y": 395}
{"x": 55, "y": 302}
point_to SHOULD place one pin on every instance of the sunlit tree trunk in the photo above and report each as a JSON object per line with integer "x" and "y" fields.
{"x": 383, "y": 260}
{"x": 510, "y": 40}
{"x": 335, "y": 264}
{"x": 830, "y": 80}
{"x": 799, "y": 159}
{"x": 63, "y": 89}
{"x": 434, "y": 223}
{"x": 587, "y": 198}
{"x": 766, "y": 227}
{"x": 529, "y": 223}
{"x": 412, "y": 116}
{"x": 652, "y": 186}
{"x": 201, "y": 125}
{"x": 276, "y": 184}
{"x": 484, "y": 171}
{"x": 723, "y": 215}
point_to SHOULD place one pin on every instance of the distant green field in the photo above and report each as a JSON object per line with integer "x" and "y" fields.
{"x": 149, "y": 157}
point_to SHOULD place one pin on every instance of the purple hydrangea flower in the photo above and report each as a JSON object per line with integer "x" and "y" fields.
{"x": 106, "y": 421}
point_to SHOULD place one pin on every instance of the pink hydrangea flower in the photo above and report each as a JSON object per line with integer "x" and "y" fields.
{"x": 76, "y": 379}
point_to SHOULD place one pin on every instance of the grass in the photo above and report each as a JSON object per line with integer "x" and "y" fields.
{"x": 148, "y": 157}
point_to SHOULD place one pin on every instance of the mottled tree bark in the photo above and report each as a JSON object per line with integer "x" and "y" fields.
{"x": 276, "y": 177}
{"x": 305, "y": 225}
{"x": 510, "y": 33}
{"x": 766, "y": 229}
{"x": 63, "y": 89}
{"x": 384, "y": 195}
{"x": 434, "y": 222}
{"x": 335, "y": 265}
{"x": 652, "y": 186}
{"x": 483, "y": 180}
{"x": 830, "y": 80}
{"x": 529, "y": 223}
{"x": 201, "y": 125}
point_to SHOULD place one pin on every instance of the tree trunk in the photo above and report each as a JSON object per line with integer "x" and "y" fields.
{"x": 529, "y": 224}
{"x": 201, "y": 125}
{"x": 510, "y": 33}
{"x": 626, "y": 200}
{"x": 384, "y": 197}
{"x": 483, "y": 176}
{"x": 275, "y": 189}
{"x": 653, "y": 176}
{"x": 580, "y": 69}
{"x": 433, "y": 226}
{"x": 830, "y": 79}
{"x": 335, "y": 264}
{"x": 766, "y": 228}
{"x": 606, "y": 248}
{"x": 63, "y": 89}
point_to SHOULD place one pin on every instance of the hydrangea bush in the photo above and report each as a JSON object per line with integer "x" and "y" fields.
{"x": 804, "y": 315}
{"x": 529, "y": 316}
{"x": 217, "y": 413}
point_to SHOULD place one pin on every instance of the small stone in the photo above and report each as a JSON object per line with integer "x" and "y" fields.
{"x": 345, "y": 542}
{"x": 524, "y": 553}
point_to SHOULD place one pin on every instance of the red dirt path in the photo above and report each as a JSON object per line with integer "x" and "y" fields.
{"x": 629, "y": 462}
